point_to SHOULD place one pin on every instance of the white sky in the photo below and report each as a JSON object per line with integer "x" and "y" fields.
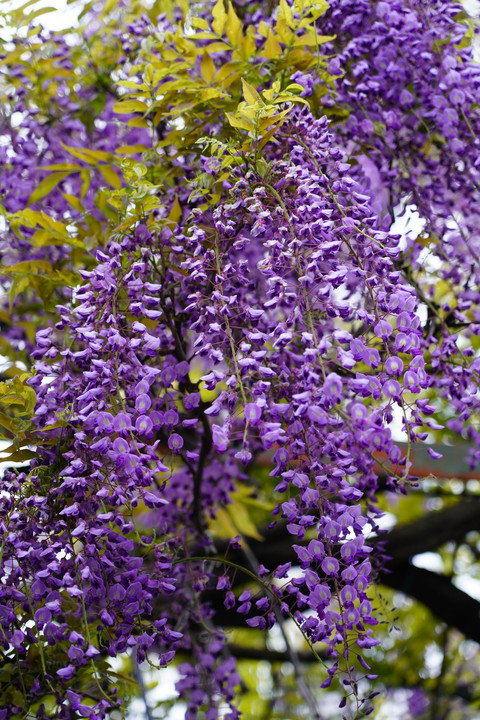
{"x": 62, "y": 17}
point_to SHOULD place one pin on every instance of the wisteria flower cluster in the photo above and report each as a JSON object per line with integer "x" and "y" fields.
{"x": 210, "y": 200}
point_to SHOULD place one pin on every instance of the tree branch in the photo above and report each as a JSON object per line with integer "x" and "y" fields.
{"x": 443, "y": 599}
{"x": 432, "y": 530}
{"x": 251, "y": 653}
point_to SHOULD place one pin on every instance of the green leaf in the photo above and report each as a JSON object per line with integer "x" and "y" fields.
{"x": 20, "y": 456}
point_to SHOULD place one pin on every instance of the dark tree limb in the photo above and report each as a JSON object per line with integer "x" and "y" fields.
{"x": 443, "y": 599}
{"x": 401, "y": 543}
{"x": 432, "y": 530}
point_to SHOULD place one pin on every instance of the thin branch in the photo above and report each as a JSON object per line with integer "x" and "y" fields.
{"x": 292, "y": 654}
{"x": 143, "y": 691}
{"x": 273, "y": 656}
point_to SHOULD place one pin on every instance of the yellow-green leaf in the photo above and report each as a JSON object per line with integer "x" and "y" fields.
{"x": 86, "y": 179}
{"x": 74, "y": 202}
{"x": 233, "y": 26}
{"x": 5, "y": 422}
{"x": 45, "y": 186}
{"x": 250, "y": 94}
{"x": 272, "y": 49}
{"x": 130, "y": 149}
{"x": 249, "y": 46}
{"x": 126, "y": 224}
{"x": 132, "y": 85}
{"x": 18, "y": 286}
{"x": 217, "y": 46}
{"x": 226, "y": 70}
{"x": 138, "y": 122}
{"x": 36, "y": 13}
{"x": 202, "y": 35}
{"x": 28, "y": 266}
{"x": 286, "y": 13}
{"x": 200, "y": 23}
{"x": 176, "y": 212}
{"x": 240, "y": 517}
{"x": 263, "y": 29}
{"x": 287, "y": 97}
{"x": 269, "y": 135}
{"x": 219, "y": 17}
{"x": 222, "y": 525}
{"x": 110, "y": 176}
{"x": 312, "y": 39}
{"x": 239, "y": 122}
{"x": 125, "y": 107}
{"x": 92, "y": 157}
{"x": 294, "y": 88}
{"x": 207, "y": 67}
{"x": 24, "y": 6}
{"x": 64, "y": 167}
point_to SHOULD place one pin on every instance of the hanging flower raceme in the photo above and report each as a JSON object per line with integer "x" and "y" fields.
{"x": 295, "y": 258}
{"x": 72, "y": 535}
{"x": 414, "y": 129}
{"x": 124, "y": 435}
